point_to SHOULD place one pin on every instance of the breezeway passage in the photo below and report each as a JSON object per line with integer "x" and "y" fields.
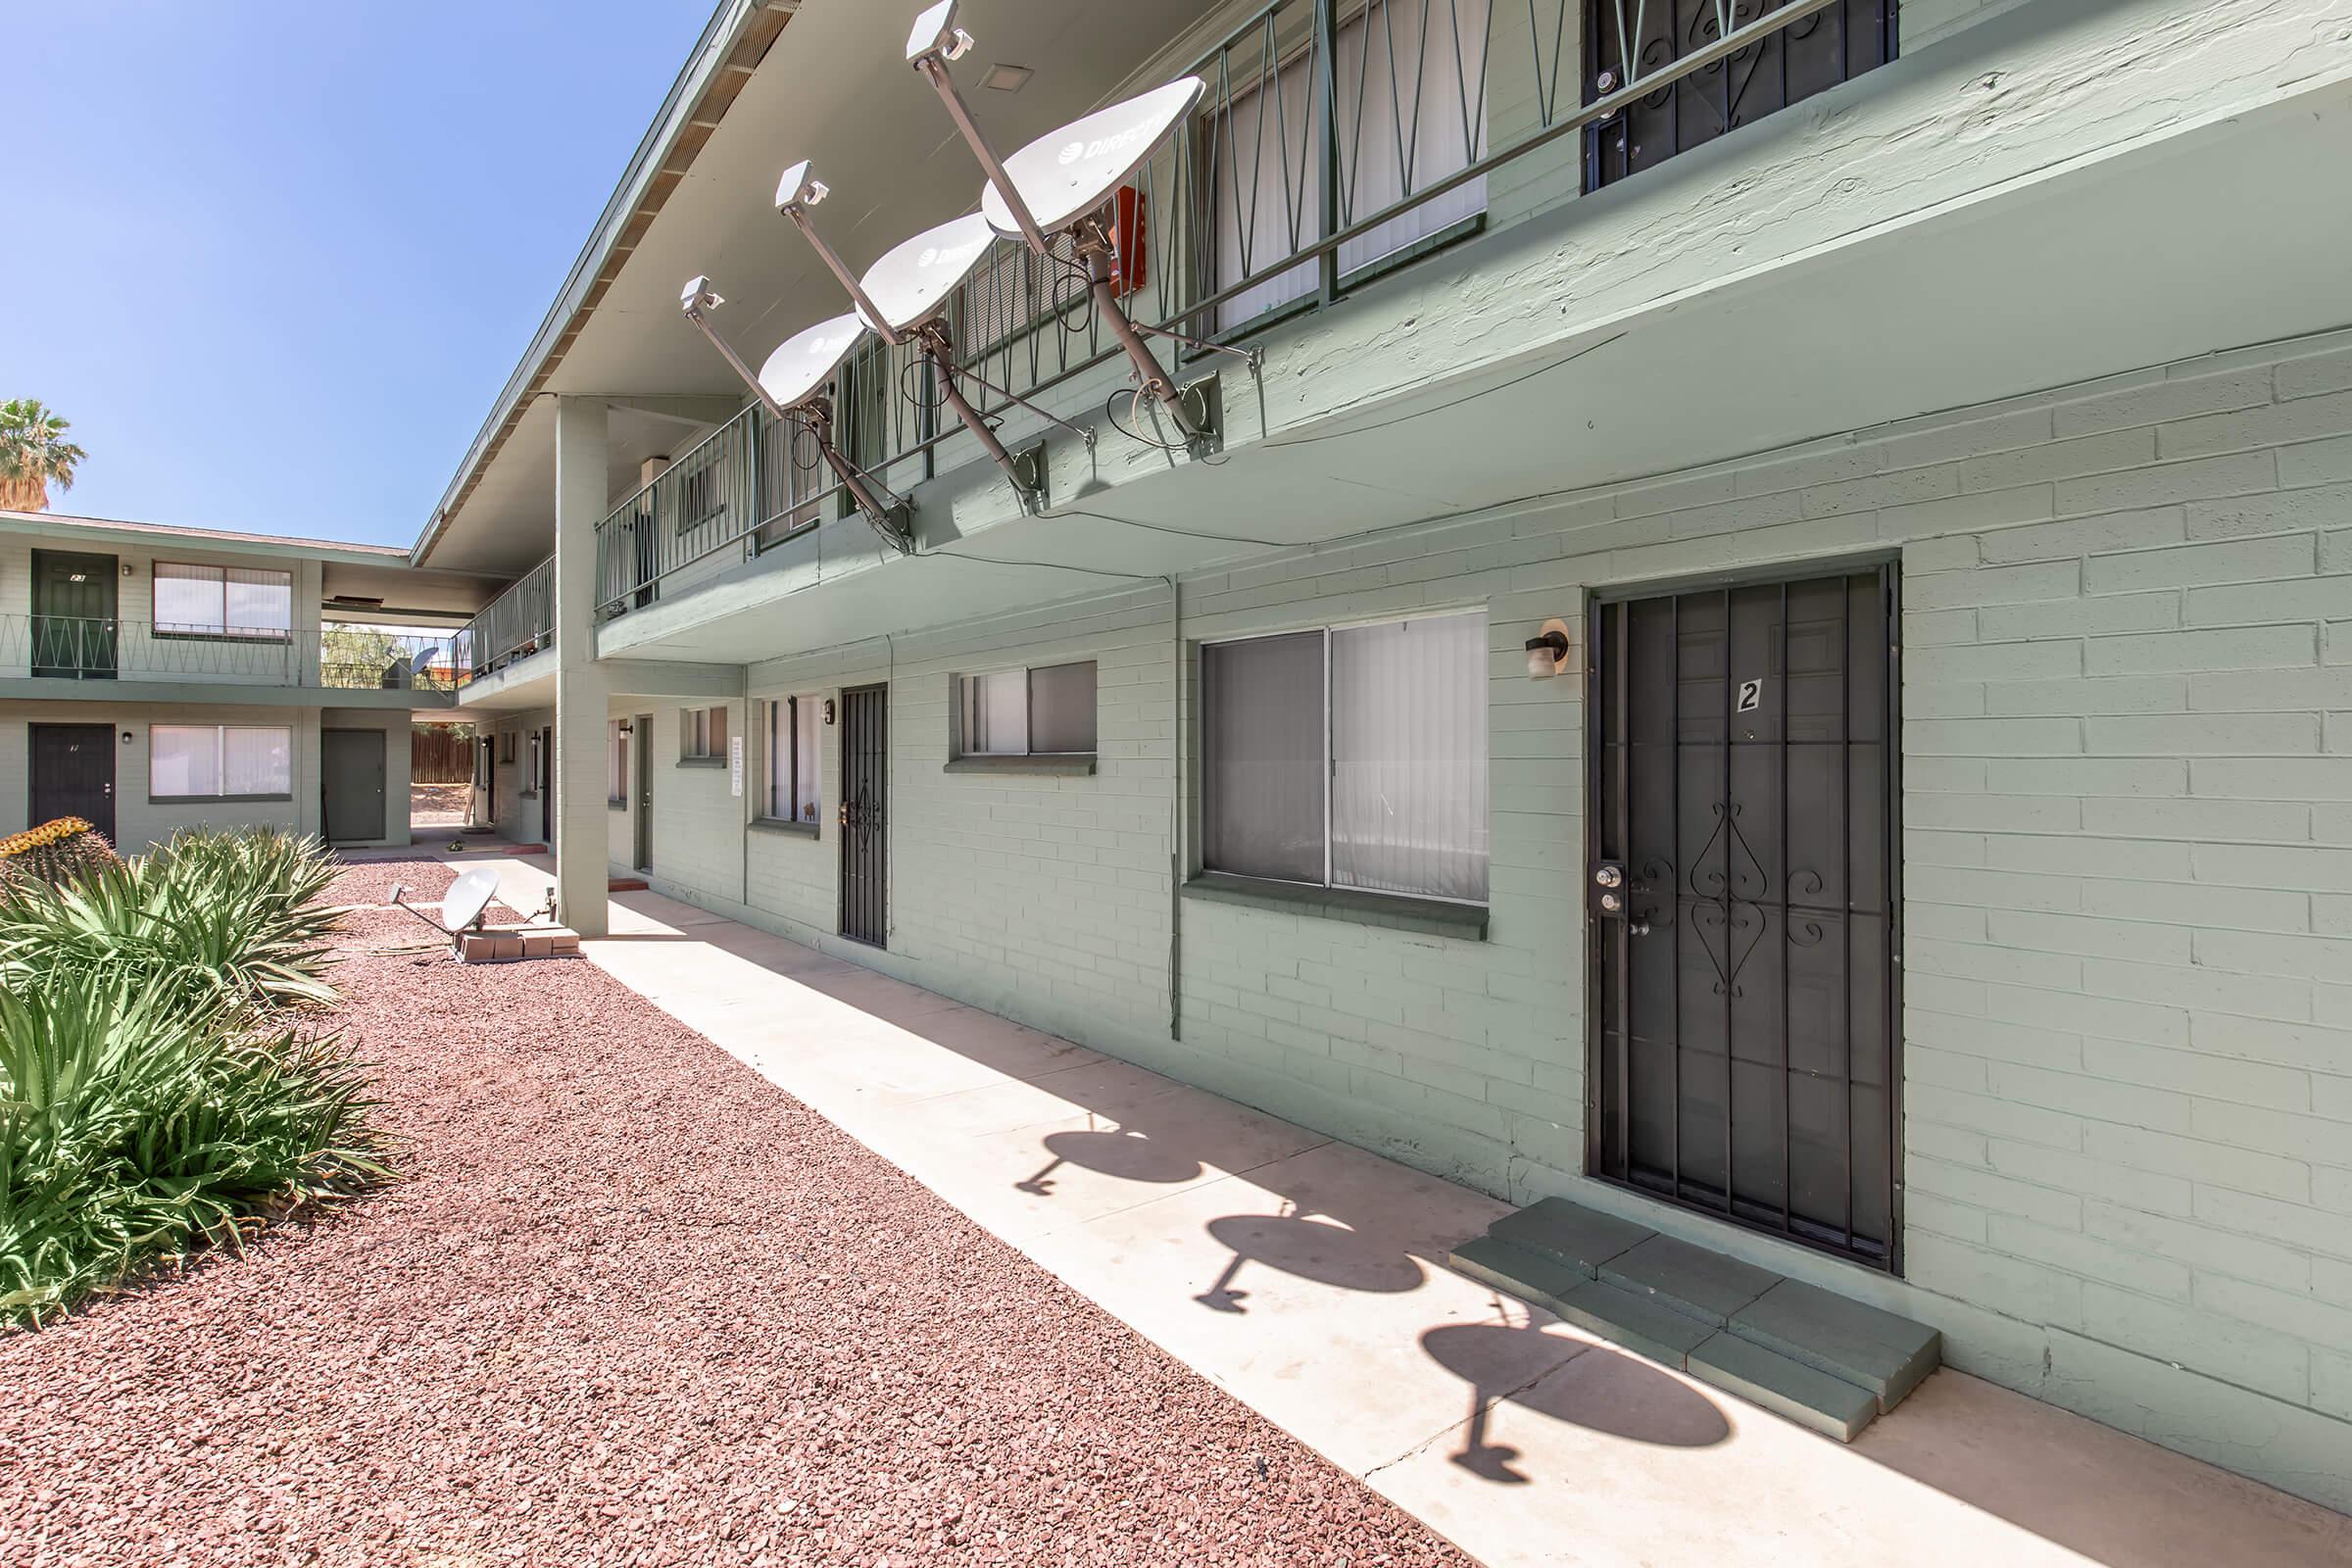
{"x": 1302, "y": 1276}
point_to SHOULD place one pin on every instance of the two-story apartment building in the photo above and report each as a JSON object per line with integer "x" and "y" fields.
{"x": 1761, "y": 636}
{"x": 159, "y": 677}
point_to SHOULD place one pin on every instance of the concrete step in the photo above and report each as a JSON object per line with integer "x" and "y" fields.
{"x": 1809, "y": 1354}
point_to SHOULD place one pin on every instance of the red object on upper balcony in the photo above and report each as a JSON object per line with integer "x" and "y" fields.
{"x": 1128, "y": 231}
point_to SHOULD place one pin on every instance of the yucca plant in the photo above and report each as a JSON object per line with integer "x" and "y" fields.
{"x": 139, "y": 1121}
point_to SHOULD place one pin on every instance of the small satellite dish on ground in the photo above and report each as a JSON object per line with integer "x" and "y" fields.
{"x": 462, "y": 908}
{"x": 792, "y": 383}
{"x": 468, "y": 896}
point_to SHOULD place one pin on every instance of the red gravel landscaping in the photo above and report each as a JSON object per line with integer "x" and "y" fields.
{"x": 630, "y": 1305}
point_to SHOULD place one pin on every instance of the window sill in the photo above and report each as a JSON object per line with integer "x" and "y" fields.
{"x": 1068, "y": 766}
{"x": 234, "y": 639}
{"x": 612, "y": 805}
{"x": 1397, "y": 911}
{"x": 777, "y": 824}
{"x": 702, "y": 761}
{"x": 211, "y": 800}
{"x": 526, "y": 794}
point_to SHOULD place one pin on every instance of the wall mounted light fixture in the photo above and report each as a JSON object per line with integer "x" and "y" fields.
{"x": 1548, "y": 651}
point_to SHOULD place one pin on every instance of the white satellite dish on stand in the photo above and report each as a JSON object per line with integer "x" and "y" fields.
{"x": 904, "y": 297}
{"x": 1059, "y": 185}
{"x": 792, "y": 384}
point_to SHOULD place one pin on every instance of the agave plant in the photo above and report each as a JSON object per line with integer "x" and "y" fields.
{"x": 138, "y": 1122}
{"x": 234, "y": 914}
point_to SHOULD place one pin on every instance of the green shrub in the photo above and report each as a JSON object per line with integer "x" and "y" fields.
{"x": 156, "y": 1095}
{"x": 137, "y": 1127}
{"x": 228, "y": 911}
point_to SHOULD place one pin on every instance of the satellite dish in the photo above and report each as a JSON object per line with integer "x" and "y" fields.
{"x": 806, "y": 359}
{"x": 1067, "y": 174}
{"x": 912, "y": 280}
{"x": 468, "y": 896}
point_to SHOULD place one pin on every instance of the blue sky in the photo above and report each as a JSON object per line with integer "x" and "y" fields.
{"x": 273, "y": 260}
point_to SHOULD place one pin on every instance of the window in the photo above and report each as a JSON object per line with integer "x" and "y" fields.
{"x": 219, "y": 761}
{"x": 1779, "y": 69}
{"x": 1409, "y": 111}
{"x": 1026, "y": 713}
{"x": 616, "y": 764}
{"x": 703, "y": 734}
{"x": 1353, "y": 758}
{"x": 222, "y": 601}
{"x": 792, "y": 759}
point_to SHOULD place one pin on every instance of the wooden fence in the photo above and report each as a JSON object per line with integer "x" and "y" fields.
{"x": 440, "y": 756}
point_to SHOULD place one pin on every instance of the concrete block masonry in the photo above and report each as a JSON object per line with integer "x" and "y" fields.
{"x": 509, "y": 946}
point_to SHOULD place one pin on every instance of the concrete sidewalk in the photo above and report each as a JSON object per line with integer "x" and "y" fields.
{"x": 1302, "y": 1275}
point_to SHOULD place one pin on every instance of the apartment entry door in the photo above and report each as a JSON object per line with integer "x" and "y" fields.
{"x": 351, "y": 783}
{"x": 74, "y": 774}
{"x": 1742, "y": 900}
{"x": 865, "y": 807}
{"x": 74, "y": 625}
{"x": 641, "y": 763}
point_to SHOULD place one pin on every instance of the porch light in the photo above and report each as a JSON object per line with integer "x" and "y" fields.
{"x": 1548, "y": 651}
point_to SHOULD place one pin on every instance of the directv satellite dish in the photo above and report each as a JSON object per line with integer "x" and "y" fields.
{"x": 468, "y": 896}
{"x": 1067, "y": 174}
{"x": 805, "y": 361}
{"x": 1055, "y": 191}
{"x": 914, "y": 279}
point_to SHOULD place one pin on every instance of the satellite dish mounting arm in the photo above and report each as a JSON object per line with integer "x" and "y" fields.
{"x": 935, "y": 41}
{"x": 891, "y": 518}
{"x": 893, "y": 522}
{"x": 795, "y": 193}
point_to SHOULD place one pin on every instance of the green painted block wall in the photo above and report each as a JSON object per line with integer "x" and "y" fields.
{"x": 2127, "y": 693}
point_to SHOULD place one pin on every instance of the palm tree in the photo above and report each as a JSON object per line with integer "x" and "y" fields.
{"x": 33, "y": 454}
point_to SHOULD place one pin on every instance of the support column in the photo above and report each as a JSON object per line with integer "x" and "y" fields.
{"x": 581, "y": 697}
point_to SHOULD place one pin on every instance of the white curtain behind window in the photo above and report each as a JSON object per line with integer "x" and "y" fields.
{"x": 804, "y": 755}
{"x": 183, "y": 760}
{"x": 1409, "y": 739}
{"x": 1410, "y": 108}
{"x": 995, "y": 712}
{"x": 1262, "y": 732}
{"x": 257, "y": 762}
{"x": 187, "y": 599}
{"x": 261, "y": 604}
{"x": 1268, "y": 183}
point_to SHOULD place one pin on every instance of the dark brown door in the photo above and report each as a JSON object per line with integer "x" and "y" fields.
{"x": 641, "y": 758}
{"x": 74, "y": 774}
{"x": 864, "y": 825}
{"x": 1742, "y": 891}
{"x": 74, "y": 625}
{"x": 351, "y": 784}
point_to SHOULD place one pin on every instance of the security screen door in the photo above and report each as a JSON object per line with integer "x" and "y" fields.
{"x": 1743, "y": 901}
{"x": 864, "y": 806}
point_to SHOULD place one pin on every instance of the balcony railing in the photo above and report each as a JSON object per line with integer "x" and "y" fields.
{"x": 1338, "y": 139}
{"x": 333, "y": 658}
{"x": 518, "y": 623}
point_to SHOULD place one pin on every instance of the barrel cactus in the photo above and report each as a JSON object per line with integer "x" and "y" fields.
{"x": 66, "y": 850}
